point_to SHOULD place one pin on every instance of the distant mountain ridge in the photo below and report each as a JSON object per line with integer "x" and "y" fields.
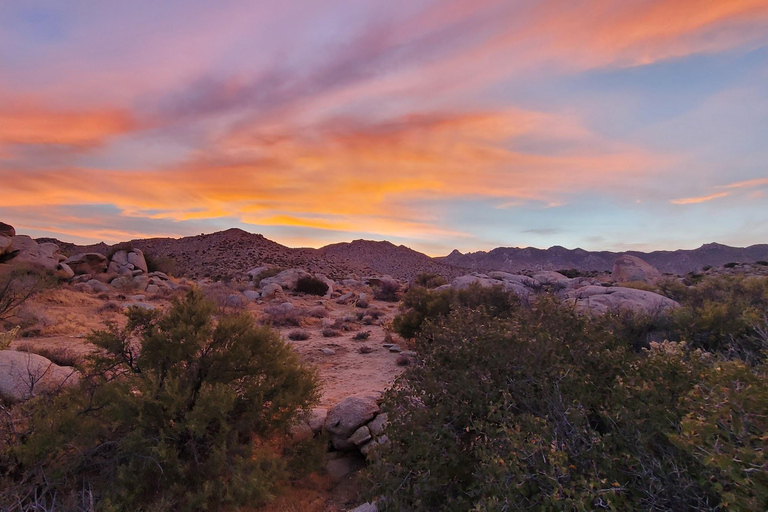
{"x": 233, "y": 251}
{"x": 681, "y": 261}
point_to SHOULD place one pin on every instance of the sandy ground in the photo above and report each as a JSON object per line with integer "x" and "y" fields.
{"x": 62, "y": 318}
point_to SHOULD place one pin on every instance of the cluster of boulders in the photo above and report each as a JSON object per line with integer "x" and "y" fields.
{"x": 284, "y": 281}
{"x": 24, "y": 375}
{"x": 126, "y": 269}
{"x": 21, "y": 249}
{"x": 355, "y": 426}
{"x": 586, "y": 294}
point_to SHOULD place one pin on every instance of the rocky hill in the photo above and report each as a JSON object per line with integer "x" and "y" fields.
{"x": 389, "y": 259}
{"x": 512, "y": 259}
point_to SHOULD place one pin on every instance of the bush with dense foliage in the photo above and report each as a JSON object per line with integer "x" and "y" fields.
{"x": 429, "y": 280}
{"x": 536, "y": 408}
{"x": 311, "y": 285}
{"x": 176, "y": 412}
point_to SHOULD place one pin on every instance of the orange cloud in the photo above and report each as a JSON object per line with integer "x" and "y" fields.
{"x": 37, "y": 125}
{"x": 748, "y": 184}
{"x": 701, "y": 199}
{"x": 352, "y": 177}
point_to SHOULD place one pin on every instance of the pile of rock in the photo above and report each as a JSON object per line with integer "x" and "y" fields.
{"x": 21, "y": 249}
{"x": 284, "y": 281}
{"x": 588, "y": 295}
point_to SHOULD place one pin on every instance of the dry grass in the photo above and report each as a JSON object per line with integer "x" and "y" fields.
{"x": 60, "y": 355}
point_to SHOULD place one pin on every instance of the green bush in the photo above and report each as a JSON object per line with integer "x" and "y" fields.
{"x": 546, "y": 410}
{"x": 176, "y": 412}
{"x": 721, "y": 313}
{"x": 429, "y": 280}
{"x": 311, "y": 285}
{"x": 419, "y": 304}
{"x": 386, "y": 290}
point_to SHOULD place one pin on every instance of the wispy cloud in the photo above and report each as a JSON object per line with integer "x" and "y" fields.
{"x": 700, "y": 199}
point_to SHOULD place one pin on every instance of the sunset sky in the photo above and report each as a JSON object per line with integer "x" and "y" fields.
{"x": 437, "y": 124}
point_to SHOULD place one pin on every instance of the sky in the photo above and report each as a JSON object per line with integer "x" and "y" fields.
{"x": 438, "y": 124}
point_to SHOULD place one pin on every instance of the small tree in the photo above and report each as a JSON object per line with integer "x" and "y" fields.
{"x": 18, "y": 284}
{"x": 175, "y": 413}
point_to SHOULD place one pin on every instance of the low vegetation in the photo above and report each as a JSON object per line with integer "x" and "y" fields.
{"x": 178, "y": 411}
{"x": 533, "y": 407}
{"x": 312, "y": 286}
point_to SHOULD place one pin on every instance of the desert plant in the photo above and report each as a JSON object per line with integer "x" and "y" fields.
{"x": 362, "y": 335}
{"x": 298, "y": 335}
{"x": 61, "y": 356}
{"x": 18, "y": 284}
{"x": 283, "y": 315}
{"x": 7, "y": 337}
{"x": 176, "y": 412}
{"x": 731, "y": 264}
{"x": 539, "y": 410}
{"x": 365, "y": 349}
{"x": 429, "y": 280}
{"x": 330, "y": 333}
{"x": 387, "y": 290}
{"x": 311, "y": 285}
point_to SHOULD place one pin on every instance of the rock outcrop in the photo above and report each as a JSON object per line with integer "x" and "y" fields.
{"x": 25, "y": 250}
{"x": 347, "y": 417}
{"x": 7, "y": 230}
{"x": 126, "y": 262}
{"x": 601, "y": 300}
{"x": 24, "y": 375}
{"x": 628, "y": 268}
{"x": 87, "y": 263}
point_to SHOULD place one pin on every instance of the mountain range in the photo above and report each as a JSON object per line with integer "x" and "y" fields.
{"x": 227, "y": 253}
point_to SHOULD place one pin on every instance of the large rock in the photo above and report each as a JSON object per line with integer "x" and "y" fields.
{"x": 464, "y": 282}
{"x": 7, "y": 230}
{"x": 28, "y": 251}
{"x": 24, "y": 375}
{"x": 600, "y": 300}
{"x": 6, "y": 242}
{"x": 346, "y": 417}
{"x": 551, "y": 278}
{"x": 287, "y": 279}
{"x": 126, "y": 262}
{"x": 87, "y": 263}
{"x": 271, "y": 289}
{"x": 629, "y": 268}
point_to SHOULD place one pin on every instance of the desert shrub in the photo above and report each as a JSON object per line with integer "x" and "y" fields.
{"x": 725, "y": 430}
{"x": 20, "y": 283}
{"x": 361, "y": 303}
{"x": 429, "y": 280}
{"x": 419, "y": 304}
{"x": 386, "y": 290}
{"x": 403, "y": 360}
{"x": 542, "y": 410}
{"x": 176, "y": 412}
{"x": 162, "y": 264}
{"x": 330, "y": 333}
{"x": 731, "y": 264}
{"x": 762, "y": 263}
{"x": 61, "y": 356}
{"x": 298, "y": 335}
{"x": 365, "y": 349}
{"x": 311, "y": 285}
{"x": 720, "y": 313}
{"x": 318, "y": 312}
{"x": 283, "y": 315}
{"x": 270, "y": 272}
{"x": 362, "y": 335}
{"x": 7, "y": 337}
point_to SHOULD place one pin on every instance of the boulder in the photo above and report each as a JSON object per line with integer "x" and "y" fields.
{"x": 45, "y": 255}
{"x": 24, "y": 375}
{"x": 88, "y": 263}
{"x": 7, "y": 230}
{"x": 251, "y": 294}
{"x": 97, "y": 286}
{"x": 599, "y": 300}
{"x": 464, "y": 282}
{"x": 366, "y": 507}
{"x": 316, "y": 418}
{"x": 629, "y": 268}
{"x": 271, "y": 290}
{"x": 152, "y": 288}
{"x": 377, "y": 425}
{"x": 346, "y": 417}
{"x": 287, "y": 279}
{"x": 254, "y": 272}
{"x": 126, "y": 262}
{"x": 64, "y": 271}
{"x": 6, "y": 242}
{"x": 550, "y": 278}
{"x": 515, "y": 278}
{"x": 136, "y": 258}
{"x": 361, "y": 436}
